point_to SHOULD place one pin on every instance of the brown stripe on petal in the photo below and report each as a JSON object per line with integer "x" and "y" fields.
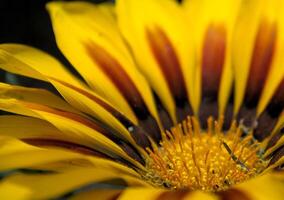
{"x": 277, "y": 155}
{"x": 167, "y": 59}
{"x": 275, "y": 138}
{"x": 164, "y": 116}
{"x": 233, "y": 194}
{"x": 262, "y": 56}
{"x": 276, "y": 105}
{"x": 65, "y": 145}
{"x": 90, "y": 96}
{"x": 40, "y": 142}
{"x": 94, "y": 190}
{"x": 173, "y": 195}
{"x": 68, "y": 115}
{"x": 123, "y": 82}
{"x": 131, "y": 151}
{"x": 115, "y": 197}
{"x": 268, "y": 119}
{"x": 213, "y": 57}
{"x": 118, "y": 76}
{"x": 95, "y": 125}
{"x": 139, "y": 136}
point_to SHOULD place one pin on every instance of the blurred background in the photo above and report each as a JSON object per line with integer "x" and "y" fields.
{"x": 27, "y": 22}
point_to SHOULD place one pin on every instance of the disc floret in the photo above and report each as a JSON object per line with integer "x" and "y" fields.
{"x": 212, "y": 160}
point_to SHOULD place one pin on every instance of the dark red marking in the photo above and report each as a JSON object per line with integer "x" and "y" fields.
{"x": 139, "y": 136}
{"x": 95, "y": 125}
{"x": 262, "y": 56}
{"x": 277, "y": 155}
{"x": 173, "y": 195}
{"x": 277, "y": 102}
{"x": 213, "y": 57}
{"x": 233, "y": 194}
{"x": 65, "y": 145}
{"x": 122, "y": 81}
{"x": 119, "y": 77}
{"x": 212, "y": 63}
{"x": 68, "y": 115}
{"x": 43, "y": 142}
{"x": 166, "y": 57}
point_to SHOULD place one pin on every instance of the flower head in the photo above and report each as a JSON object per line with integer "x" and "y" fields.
{"x": 171, "y": 100}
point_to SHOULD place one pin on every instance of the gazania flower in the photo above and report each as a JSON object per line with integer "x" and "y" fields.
{"x": 171, "y": 101}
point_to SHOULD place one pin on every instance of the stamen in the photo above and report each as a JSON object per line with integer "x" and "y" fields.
{"x": 212, "y": 160}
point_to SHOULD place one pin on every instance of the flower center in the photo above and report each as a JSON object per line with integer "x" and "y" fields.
{"x": 211, "y": 160}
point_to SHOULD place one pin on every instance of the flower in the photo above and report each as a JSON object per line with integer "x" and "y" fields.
{"x": 171, "y": 101}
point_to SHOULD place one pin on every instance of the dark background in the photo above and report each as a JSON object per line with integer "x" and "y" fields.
{"x": 27, "y": 22}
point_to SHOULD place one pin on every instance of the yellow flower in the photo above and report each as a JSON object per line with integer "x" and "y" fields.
{"x": 172, "y": 101}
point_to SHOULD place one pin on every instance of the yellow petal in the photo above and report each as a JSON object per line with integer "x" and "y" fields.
{"x": 148, "y": 27}
{"x": 31, "y": 128}
{"x": 262, "y": 188}
{"x": 92, "y": 43}
{"x": 56, "y": 185}
{"x": 28, "y": 61}
{"x": 276, "y": 74}
{"x": 34, "y": 95}
{"x": 279, "y": 162}
{"x": 117, "y": 167}
{"x": 13, "y": 191}
{"x": 88, "y": 102}
{"x": 272, "y": 149}
{"x": 253, "y": 46}
{"x": 212, "y": 25}
{"x": 276, "y": 129}
{"x": 156, "y": 193}
{"x": 16, "y": 154}
{"x": 98, "y": 140}
{"x": 278, "y": 175}
{"x": 12, "y": 145}
{"x": 69, "y": 123}
{"x": 31, "y": 62}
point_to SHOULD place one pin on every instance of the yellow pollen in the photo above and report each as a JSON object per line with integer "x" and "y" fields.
{"x": 211, "y": 160}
